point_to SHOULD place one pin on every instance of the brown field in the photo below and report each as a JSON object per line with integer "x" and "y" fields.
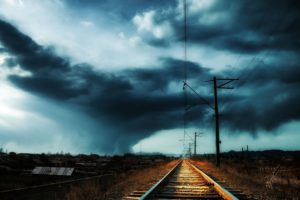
{"x": 121, "y": 175}
{"x": 260, "y": 175}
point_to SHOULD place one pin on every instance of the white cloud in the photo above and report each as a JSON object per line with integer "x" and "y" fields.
{"x": 5, "y": 71}
{"x": 163, "y": 31}
{"x": 87, "y": 23}
{"x": 197, "y": 6}
{"x": 14, "y": 2}
{"x": 96, "y": 40}
{"x": 122, "y": 35}
{"x": 2, "y": 58}
{"x": 145, "y": 24}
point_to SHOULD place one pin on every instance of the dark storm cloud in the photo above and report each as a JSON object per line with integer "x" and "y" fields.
{"x": 135, "y": 102}
{"x": 271, "y": 100}
{"x": 238, "y": 26}
{"x": 138, "y": 102}
{"x": 125, "y": 11}
{"x": 159, "y": 79}
{"x": 2, "y": 50}
{"x": 10, "y": 62}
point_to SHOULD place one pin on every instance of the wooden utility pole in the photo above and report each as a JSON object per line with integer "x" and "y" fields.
{"x": 216, "y": 108}
{"x": 190, "y": 150}
{"x": 195, "y": 142}
{"x": 217, "y": 122}
{"x": 223, "y": 85}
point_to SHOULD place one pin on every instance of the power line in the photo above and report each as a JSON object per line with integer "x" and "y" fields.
{"x": 198, "y": 95}
{"x": 185, "y": 72}
{"x": 185, "y": 40}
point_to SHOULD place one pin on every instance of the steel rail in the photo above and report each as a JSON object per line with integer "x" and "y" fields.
{"x": 224, "y": 193}
{"x": 220, "y": 190}
{"x": 154, "y": 187}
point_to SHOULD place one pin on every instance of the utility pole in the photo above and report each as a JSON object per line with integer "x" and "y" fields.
{"x": 195, "y": 142}
{"x": 217, "y": 123}
{"x": 186, "y": 150}
{"x": 190, "y": 150}
{"x": 216, "y": 85}
{"x": 216, "y": 108}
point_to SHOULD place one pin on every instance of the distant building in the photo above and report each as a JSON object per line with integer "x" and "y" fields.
{"x": 55, "y": 171}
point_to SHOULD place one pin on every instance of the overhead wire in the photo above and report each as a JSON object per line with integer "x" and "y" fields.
{"x": 185, "y": 75}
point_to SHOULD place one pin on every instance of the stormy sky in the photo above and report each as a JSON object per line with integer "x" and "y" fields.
{"x": 106, "y": 76}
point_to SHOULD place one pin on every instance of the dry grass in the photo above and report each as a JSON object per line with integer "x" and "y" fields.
{"x": 140, "y": 180}
{"x": 119, "y": 185}
{"x": 87, "y": 191}
{"x": 258, "y": 179}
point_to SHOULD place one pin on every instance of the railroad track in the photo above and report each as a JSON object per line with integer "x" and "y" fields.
{"x": 184, "y": 181}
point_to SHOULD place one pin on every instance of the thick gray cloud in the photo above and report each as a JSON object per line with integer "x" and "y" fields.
{"x": 2, "y": 50}
{"x": 272, "y": 98}
{"x": 237, "y": 26}
{"x": 136, "y": 102}
{"x": 124, "y": 11}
